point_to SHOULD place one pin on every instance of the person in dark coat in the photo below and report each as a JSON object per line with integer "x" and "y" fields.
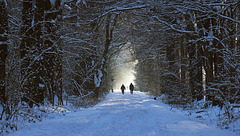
{"x": 131, "y": 87}
{"x": 123, "y": 88}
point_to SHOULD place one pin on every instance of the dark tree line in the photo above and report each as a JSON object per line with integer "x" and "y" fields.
{"x": 38, "y": 53}
{"x": 56, "y": 52}
{"x": 192, "y": 51}
{"x": 41, "y": 64}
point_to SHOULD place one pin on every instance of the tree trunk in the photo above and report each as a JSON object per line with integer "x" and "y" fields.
{"x": 52, "y": 58}
{"x": 3, "y": 48}
{"x": 109, "y": 28}
{"x": 195, "y": 64}
{"x": 38, "y": 65}
{"x": 25, "y": 49}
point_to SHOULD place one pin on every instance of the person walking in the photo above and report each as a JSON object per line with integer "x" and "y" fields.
{"x": 131, "y": 87}
{"x": 123, "y": 88}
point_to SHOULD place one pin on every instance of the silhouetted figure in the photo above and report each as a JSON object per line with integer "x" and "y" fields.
{"x": 131, "y": 87}
{"x": 123, "y": 88}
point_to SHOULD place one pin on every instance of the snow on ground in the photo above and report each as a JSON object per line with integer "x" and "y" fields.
{"x": 123, "y": 115}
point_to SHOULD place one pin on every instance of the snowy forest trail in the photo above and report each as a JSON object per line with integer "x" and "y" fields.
{"x": 123, "y": 115}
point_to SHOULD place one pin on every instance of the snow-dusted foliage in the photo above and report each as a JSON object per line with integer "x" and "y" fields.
{"x": 56, "y": 52}
{"x": 189, "y": 50}
{"x": 97, "y": 79}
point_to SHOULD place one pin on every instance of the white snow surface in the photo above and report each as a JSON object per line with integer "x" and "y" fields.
{"x": 123, "y": 115}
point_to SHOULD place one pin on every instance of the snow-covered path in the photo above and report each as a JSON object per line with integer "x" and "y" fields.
{"x": 123, "y": 115}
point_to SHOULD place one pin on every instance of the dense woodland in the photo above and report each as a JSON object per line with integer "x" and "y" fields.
{"x": 192, "y": 51}
{"x": 56, "y": 50}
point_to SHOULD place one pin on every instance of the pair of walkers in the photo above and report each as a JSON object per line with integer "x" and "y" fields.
{"x": 131, "y": 87}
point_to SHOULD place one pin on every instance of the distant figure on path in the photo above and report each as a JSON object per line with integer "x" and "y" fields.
{"x": 123, "y": 88}
{"x": 131, "y": 87}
